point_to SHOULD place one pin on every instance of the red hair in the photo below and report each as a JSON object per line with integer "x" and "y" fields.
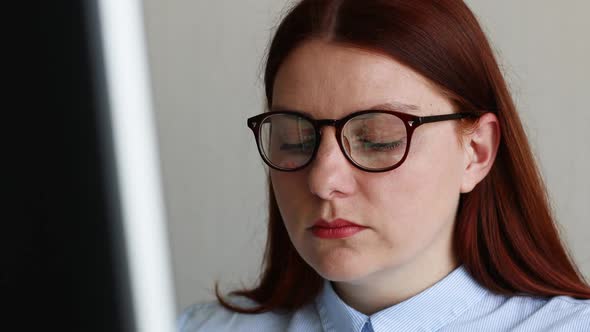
{"x": 505, "y": 234}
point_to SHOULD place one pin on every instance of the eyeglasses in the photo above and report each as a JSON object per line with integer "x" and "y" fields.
{"x": 373, "y": 141}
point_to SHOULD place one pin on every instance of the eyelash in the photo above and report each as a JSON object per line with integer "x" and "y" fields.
{"x": 381, "y": 147}
{"x": 298, "y": 146}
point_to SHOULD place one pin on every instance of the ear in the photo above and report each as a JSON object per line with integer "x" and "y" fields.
{"x": 481, "y": 147}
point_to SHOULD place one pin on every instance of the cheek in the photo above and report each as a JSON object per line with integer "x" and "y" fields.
{"x": 290, "y": 191}
{"x": 416, "y": 200}
{"x": 436, "y": 162}
{"x": 282, "y": 187}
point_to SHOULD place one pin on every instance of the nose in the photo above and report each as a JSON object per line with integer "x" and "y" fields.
{"x": 331, "y": 175}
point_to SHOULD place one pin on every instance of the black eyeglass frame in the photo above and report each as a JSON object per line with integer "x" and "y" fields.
{"x": 410, "y": 121}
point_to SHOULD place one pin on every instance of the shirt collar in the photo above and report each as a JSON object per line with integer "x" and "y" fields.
{"x": 431, "y": 309}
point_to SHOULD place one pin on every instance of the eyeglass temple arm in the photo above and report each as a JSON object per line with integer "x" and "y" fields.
{"x": 437, "y": 118}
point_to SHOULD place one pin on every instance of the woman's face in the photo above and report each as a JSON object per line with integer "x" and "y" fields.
{"x": 410, "y": 211}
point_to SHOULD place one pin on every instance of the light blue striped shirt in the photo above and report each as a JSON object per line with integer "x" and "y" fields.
{"x": 455, "y": 303}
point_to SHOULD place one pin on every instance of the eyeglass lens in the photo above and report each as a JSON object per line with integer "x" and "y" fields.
{"x": 372, "y": 140}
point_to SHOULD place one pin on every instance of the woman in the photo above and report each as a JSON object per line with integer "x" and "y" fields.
{"x": 403, "y": 193}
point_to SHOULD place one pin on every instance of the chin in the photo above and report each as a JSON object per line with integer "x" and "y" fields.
{"x": 346, "y": 277}
{"x": 339, "y": 267}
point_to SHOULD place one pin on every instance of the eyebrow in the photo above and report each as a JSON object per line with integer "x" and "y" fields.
{"x": 395, "y": 106}
{"x": 388, "y": 106}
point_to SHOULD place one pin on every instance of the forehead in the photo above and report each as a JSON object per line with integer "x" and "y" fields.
{"x": 330, "y": 81}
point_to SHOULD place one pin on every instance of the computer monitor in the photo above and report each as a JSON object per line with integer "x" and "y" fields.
{"x": 86, "y": 248}
{"x": 130, "y": 133}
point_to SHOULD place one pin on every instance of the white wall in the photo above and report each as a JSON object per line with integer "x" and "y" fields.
{"x": 206, "y": 61}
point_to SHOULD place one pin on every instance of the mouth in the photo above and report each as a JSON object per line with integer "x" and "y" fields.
{"x": 336, "y": 229}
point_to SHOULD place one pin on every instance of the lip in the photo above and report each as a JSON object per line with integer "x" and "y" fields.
{"x": 336, "y": 229}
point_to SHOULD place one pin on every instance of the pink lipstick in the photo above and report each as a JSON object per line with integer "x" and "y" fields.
{"x": 336, "y": 229}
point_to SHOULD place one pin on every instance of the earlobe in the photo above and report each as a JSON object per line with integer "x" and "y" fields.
{"x": 481, "y": 147}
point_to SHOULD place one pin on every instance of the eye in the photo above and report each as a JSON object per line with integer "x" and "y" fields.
{"x": 304, "y": 147}
{"x": 380, "y": 146}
